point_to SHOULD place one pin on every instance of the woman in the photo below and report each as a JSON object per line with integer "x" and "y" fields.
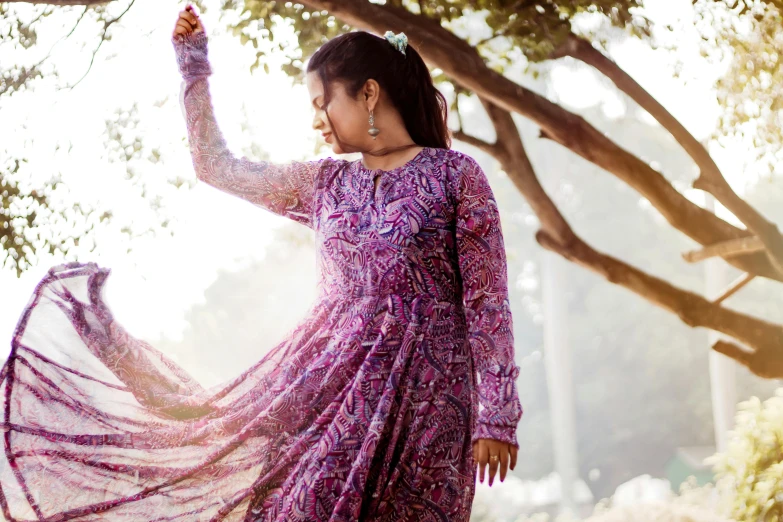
{"x": 368, "y": 410}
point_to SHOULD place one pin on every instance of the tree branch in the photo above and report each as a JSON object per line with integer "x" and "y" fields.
{"x": 515, "y": 162}
{"x": 26, "y": 74}
{"x": 556, "y": 235}
{"x": 765, "y": 339}
{"x": 710, "y": 179}
{"x": 78, "y": 21}
{"x": 734, "y": 287}
{"x": 489, "y": 148}
{"x": 106, "y": 25}
{"x": 465, "y": 66}
{"x": 725, "y": 249}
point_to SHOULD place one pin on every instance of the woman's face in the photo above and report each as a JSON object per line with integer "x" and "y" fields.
{"x": 350, "y": 116}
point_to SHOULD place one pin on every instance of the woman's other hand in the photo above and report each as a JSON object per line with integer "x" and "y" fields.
{"x": 188, "y": 22}
{"x": 500, "y": 456}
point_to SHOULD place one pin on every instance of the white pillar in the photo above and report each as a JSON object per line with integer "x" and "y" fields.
{"x": 723, "y": 378}
{"x": 559, "y": 377}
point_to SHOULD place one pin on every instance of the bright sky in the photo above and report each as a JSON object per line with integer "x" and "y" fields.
{"x": 150, "y": 289}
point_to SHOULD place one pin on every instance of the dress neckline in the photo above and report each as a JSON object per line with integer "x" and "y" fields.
{"x": 407, "y": 164}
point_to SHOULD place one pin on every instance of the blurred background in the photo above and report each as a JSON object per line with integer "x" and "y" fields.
{"x": 629, "y": 414}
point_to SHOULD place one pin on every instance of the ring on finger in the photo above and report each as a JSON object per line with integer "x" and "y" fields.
{"x": 493, "y": 458}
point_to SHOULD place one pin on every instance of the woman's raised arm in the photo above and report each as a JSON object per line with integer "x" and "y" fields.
{"x": 284, "y": 189}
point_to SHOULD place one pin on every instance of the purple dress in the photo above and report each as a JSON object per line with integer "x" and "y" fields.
{"x": 366, "y": 411}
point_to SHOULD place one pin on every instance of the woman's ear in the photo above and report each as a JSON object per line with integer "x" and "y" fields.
{"x": 372, "y": 93}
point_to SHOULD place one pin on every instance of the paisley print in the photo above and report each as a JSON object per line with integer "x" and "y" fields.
{"x": 367, "y": 410}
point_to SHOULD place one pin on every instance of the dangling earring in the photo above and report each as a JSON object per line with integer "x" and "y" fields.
{"x": 374, "y": 131}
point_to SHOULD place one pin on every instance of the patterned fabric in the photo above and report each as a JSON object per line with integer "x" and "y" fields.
{"x": 367, "y": 410}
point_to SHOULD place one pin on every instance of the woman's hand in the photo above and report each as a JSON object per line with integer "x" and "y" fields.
{"x": 495, "y": 453}
{"x": 188, "y": 22}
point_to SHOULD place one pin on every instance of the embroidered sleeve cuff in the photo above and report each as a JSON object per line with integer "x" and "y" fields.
{"x": 501, "y": 433}
{"x": 502, "y": 410}
{"x": 192, "y": 59}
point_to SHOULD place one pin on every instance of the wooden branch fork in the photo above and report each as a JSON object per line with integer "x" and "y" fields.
{"x": 734, "y": 247}
{"x": 710, "y": 179}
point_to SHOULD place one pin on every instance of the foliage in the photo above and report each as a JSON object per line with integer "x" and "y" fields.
{"x": 27, "y": 215}
{"x": 514, "y": 28}
{"x": 261, "y": 20}
{"x": 750, "y": 471}
{"x": 39, "y": 218}
{"x": 21, "y": 25}
{"x": 747, "y": 35}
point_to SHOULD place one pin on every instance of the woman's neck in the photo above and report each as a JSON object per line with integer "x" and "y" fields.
{"x": 392, "y": 160}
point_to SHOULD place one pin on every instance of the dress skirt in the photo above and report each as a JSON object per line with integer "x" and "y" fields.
{"x": 361, "y": 413}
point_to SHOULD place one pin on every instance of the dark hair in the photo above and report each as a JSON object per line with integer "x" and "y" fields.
{"x": 353, "y": 58}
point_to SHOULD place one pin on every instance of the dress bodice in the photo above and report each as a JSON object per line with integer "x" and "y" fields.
{"x": 396, "y": 239}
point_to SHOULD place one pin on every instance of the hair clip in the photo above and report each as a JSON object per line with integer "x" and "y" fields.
{"x": 399, "y": 41}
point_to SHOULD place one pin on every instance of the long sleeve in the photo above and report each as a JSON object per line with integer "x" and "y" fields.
{"x": 484, "y": 274}
{"x": 285, "y": 189}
